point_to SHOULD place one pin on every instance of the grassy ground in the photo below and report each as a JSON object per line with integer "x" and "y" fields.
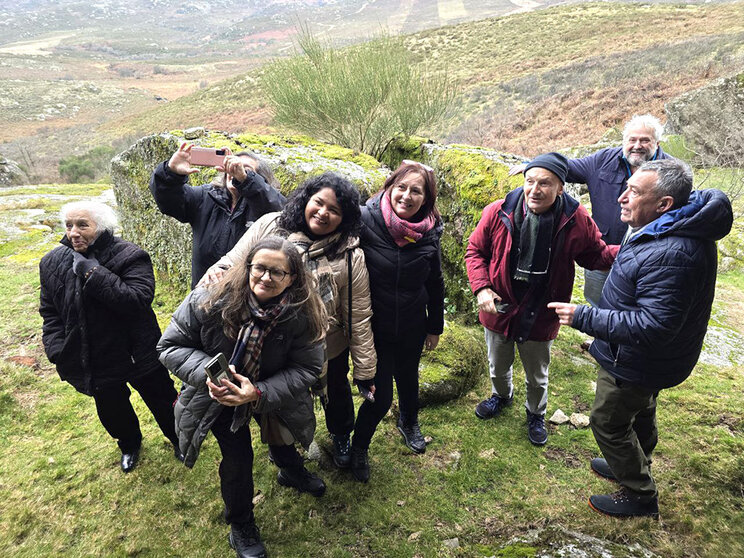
{"x": 479, "y": 481}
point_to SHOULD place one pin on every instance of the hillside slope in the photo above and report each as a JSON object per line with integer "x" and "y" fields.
{"x": 531, "y": 81}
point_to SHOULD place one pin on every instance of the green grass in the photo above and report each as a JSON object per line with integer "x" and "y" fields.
{"x": 479, "y": 481}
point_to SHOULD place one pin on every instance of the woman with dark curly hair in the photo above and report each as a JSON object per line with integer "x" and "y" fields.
{"x": 322, "y": 219}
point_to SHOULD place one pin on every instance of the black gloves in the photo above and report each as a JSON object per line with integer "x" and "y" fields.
{"x": 82, "y": 265}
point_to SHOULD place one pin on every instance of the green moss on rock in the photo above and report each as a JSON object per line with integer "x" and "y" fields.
{"x": 518, "y": 550}
{"x": 677, "y": 146}
{"x": 454, "y": 367}
{"x": 469, "y": 178}
{"x": 401, "y": 148}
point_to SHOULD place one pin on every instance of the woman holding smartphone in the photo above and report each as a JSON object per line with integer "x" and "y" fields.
{"x": 220, "y": 212}
{"x": 400, "y": 239}
{"x": 322, "y": 219}
{"x": 267, "y": 317}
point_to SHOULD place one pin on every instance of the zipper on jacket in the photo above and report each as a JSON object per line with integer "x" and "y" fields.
{"x": 397, "y": 284}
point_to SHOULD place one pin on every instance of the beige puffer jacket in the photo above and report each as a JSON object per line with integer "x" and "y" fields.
{"x": 362, "y": 348}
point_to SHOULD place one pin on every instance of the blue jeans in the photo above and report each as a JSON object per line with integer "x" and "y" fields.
{"x": 594, "y": 281}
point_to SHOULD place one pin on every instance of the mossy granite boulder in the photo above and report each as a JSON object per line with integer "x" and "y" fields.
{"x": 454, "y": 367}
{"x": 469, "y": 178}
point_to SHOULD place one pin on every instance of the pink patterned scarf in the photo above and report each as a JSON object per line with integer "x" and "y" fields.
{"x": 403, "y": 232}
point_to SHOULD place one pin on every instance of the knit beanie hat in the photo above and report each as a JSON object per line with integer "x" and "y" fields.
{"x": 554, "y": 162}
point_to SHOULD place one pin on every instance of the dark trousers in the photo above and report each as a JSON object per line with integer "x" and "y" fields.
{"x": 236, "y": 467}
{"x": 117, "y": 414}
{"x": 397, "y": 360}
{"x": 339, "y": 412}
{"x": 623, "y": 421}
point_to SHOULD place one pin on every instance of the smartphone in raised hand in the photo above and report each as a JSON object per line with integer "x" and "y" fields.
{"x": 208, "y": 157}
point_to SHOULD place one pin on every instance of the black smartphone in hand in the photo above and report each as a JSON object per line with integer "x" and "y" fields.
{"x": 366, "y": 393}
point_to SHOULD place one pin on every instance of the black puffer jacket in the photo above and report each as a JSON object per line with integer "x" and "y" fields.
{"x": 290, "y": 364}
{"x": 215, "y": 227}
{"x": 653, "y": 314}
{"x": 101, "y": 330}
{"x": 405, "y": 284}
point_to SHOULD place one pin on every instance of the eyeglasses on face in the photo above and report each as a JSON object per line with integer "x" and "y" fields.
{"x": 258, "y": 271}
{"x": 416, "y": 163}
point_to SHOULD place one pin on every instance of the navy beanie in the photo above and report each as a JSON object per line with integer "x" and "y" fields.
{"x": 554, "y": 162}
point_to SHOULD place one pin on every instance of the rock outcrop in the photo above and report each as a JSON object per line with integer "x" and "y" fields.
{"x": 10, "y": 173}
{"x": 469, "y": 178}
{"x": 454, "y": 367}
{"x": 711, "y": 119}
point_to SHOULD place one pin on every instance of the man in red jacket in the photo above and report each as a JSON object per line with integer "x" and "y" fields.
{"x": 521, "y": 256}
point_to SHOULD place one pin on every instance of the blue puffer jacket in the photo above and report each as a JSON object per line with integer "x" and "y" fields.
{"x": 651, "y": 320}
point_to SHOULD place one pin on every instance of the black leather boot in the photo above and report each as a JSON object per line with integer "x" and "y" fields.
{"x": 303, "y": 480}
{"x": 246, "y": 540}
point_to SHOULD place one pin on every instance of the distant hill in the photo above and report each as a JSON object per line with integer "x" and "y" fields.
{"x": 533, "y": 81}
{"x": 76, "y": 74}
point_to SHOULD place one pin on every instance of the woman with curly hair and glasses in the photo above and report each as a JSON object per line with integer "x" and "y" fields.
{"x": 400, "y": 238}
{"x": 322, "y": 219}
{"x": 267, "y": 315}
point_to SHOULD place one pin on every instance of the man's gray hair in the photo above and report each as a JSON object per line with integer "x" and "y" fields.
{"x": 674, "y": 178}
{"x": 102, "y": 215}
{"x": 648, "y": 121}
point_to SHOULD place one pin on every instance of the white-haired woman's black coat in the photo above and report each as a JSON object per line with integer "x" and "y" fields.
{"x": 100, "y": 330}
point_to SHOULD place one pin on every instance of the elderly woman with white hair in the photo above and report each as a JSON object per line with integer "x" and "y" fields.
{"x": 99, "y": 328}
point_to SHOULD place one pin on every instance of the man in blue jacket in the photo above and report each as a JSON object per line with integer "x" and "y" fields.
{"x": 606, "y": 175}
{"x": 650, "y": 322}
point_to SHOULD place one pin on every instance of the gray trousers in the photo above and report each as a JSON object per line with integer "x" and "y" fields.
{"x": 535, "y": 357}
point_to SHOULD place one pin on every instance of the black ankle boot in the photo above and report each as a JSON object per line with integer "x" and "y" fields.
{"x": 412, "y": 436}
{"x": 303, "y": 480}
{"x": 359, "y": 464}
{"x": 129, "y": 460}
{"x": 341, "y": 451}
{"x": 246, "y": 540}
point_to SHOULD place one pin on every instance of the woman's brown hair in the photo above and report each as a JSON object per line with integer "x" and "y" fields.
{"x": 430, "y": 185}
{"x": 228, "y": 301}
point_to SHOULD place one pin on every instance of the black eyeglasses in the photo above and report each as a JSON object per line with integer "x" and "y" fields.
{"x": 258, "y": 271}
{"x": 412, "y": 162}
